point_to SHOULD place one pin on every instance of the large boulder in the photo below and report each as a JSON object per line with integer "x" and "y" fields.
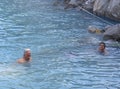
{"x": 112, "y": 32}
{"x": 107, "y": 8}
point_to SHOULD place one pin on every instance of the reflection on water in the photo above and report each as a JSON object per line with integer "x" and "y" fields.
{"x": 64, "y": 54}
{"x": 11, "y": 71}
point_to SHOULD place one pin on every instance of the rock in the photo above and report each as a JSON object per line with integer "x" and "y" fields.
{"x": 93, "y": 29}
{"x": 60, "y": 2}
{"x": 88, "y": 4}
{"x": 107, "y": 8}
{"x": 112, "y": 32}
{"x": 71, "y": 4}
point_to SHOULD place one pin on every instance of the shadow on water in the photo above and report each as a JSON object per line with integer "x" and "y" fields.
{"x": 110, "y": 20}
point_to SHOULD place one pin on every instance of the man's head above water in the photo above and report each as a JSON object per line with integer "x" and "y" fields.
{"x": 27, "y": 54}
{"x": 102, "y": 47}
{"x": 26, "y": 57}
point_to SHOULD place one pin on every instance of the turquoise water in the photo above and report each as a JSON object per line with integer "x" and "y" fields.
{"x": 63, "y": 52}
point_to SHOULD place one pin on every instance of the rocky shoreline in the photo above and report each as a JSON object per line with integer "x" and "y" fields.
{"x": 104, "y": 8}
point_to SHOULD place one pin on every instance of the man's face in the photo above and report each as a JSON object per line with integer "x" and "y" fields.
{"x": 101, "y": 47}
{"x": 27, "y": 54}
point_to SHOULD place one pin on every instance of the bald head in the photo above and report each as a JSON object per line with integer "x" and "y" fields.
{"x": 27, "y": 54}
{"x": 27, "y": 49}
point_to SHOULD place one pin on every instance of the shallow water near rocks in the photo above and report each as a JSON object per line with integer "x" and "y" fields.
{"x": 64, "y": 54}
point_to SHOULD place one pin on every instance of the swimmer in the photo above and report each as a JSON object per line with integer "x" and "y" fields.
{"x": 102, "y": 48}
{"x": 26, "y": 57}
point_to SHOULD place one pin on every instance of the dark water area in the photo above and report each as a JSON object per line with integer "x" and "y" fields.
{"x": 64, "y": 54}
{"x": 111, "y": 21}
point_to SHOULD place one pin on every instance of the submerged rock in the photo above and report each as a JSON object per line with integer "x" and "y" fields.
{"x": 93, "y": 29}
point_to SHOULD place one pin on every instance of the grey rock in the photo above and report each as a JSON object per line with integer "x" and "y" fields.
{"x": 88, "y": 4}
{"x": 112, "y": 32}
{"x": 107, "y": 8}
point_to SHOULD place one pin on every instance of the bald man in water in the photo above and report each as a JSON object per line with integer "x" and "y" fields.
{"x": 26, "y": 57}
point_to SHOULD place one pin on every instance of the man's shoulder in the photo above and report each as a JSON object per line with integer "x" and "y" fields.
{"x": 21, "y": 60}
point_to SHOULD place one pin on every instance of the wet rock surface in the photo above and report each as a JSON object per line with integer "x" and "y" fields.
{"x": 112, "y": 32}
{"x": 106, "y": 8}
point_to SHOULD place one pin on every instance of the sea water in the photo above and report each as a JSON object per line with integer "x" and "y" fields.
{"x": 64, "y": 54}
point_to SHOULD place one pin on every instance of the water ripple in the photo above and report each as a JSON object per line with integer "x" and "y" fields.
{"x": 64, "y": 54}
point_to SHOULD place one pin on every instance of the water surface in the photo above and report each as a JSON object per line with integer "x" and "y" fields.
{"x": 64, "y": 54}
